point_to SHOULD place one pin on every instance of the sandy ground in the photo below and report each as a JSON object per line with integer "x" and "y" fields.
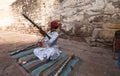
{"x": 95, "y": 61}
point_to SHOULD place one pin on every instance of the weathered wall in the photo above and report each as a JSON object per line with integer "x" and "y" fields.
{"x": 6, "y": 17}
{"x": 96, "y": 19}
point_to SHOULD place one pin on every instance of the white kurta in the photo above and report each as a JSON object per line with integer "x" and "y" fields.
{"x": 51, "y": 50}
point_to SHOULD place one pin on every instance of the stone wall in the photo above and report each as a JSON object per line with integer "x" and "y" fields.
{"x": 97, "y": 19}
{"x": 94, "y": 19}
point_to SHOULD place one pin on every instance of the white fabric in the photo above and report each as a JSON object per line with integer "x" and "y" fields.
{"x": 51, "y": 50}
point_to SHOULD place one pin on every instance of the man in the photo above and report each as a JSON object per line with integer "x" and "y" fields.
{"x": 116, "y": 47}
{"x": 51, "y": 50}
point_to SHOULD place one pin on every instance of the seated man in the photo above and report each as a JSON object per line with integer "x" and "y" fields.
{"x": 51, "y": 50}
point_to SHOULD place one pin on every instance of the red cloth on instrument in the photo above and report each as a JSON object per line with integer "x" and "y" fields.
{"x": 39, "y": 43}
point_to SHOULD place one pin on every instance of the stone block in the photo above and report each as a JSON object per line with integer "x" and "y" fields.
{"x": 107, "y": 34}
{"x": 112, "y": 25}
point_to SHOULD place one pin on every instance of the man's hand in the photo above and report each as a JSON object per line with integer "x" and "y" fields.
{"x": 40, "y": 44}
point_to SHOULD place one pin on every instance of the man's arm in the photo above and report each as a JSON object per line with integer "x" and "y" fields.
{"x": 53, "y": 39}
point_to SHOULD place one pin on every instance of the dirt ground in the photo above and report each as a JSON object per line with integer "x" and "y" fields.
{"x": 95, "y": 61}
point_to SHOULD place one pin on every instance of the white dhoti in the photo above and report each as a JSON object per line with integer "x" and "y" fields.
{"x": 51, "y": 51}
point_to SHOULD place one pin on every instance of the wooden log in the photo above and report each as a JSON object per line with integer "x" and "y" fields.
{"x": 62, "y": 67}
{"x": 23, "y": 50}
{"x": 51, "y": 69}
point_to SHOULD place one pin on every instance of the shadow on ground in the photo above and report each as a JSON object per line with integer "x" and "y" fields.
{"x": 96, "y": 61}
{"x": 8, "y": 67}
